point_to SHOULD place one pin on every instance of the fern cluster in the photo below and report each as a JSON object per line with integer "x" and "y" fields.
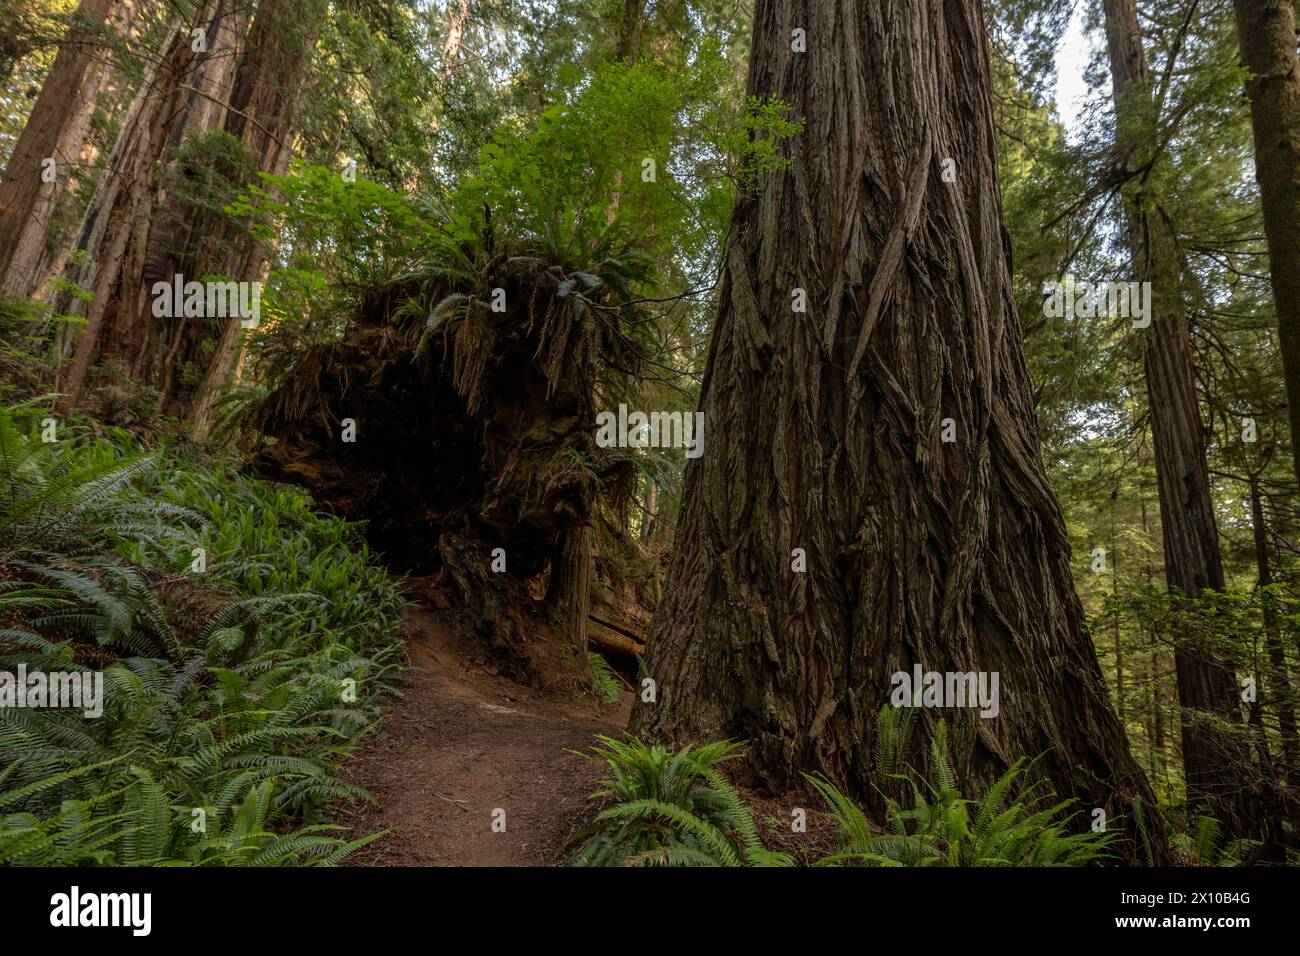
{"x": 680, "y": 810}
{"x": 1018, "y": 822}
{"x": 671, "y": 810}
{"x": 231, "y": 695}
{"x": 602, "y": 673}
{"x": 1205, "y": 844}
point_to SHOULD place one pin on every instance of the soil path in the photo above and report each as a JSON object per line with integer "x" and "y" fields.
{"x": 463, "y": 743}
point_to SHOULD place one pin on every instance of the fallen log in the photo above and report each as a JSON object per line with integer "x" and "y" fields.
{"x": 601, "y": 634}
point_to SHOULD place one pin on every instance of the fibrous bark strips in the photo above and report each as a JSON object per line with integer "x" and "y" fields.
{"x": 825, "y": 433}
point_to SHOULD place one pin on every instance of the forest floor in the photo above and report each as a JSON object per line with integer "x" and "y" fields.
{"x": 464, "y": 742}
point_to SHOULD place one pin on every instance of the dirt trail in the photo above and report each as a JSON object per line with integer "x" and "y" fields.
{"x": 462, "y": 743}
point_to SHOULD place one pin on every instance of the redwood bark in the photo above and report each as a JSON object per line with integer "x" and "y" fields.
{"x": 825, "y": 432}
{"x": 128, "y": 231}
{"x": 1266, "y": 34}
{"x": 1214, "y": 759}
{"x": 569, "y": 591}
{"x": 457, "y": 20}
{"x": 57, "y": 129}
{"x": 264, "y": 116}
{"x": 179, "y": 239}
{"x": 121, "y": 201}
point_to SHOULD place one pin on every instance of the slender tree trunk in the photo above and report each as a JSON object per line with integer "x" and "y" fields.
{"x": 1157, "y": 691}
{"x": 628, "y": 48}
{"x": 651, "y": 510}
{"x": 1280, "y": 679}
{"x": 216, "y": 376}
{"x": 826, "y": 433}
{"x": 57, "y": 130}
{"x": 627, "y": 51}
{"x": 1119, "y": 648}
{"x": 1213, "y": 759}
{"x": 569, "y": 592}
{"x": 1150, "y": 718}
{"x": 457, "y": 18}
{"x": 1266, "y": 33}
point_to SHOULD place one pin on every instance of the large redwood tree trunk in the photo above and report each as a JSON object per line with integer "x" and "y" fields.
{"x": 179, "y": 239}
{"x": 119, "y": 209}
{"x": 125, "y": 230}
{"x": 264, "y": 115}
{"x": 825, "y": 432}
{"x": 1215, "y": 759}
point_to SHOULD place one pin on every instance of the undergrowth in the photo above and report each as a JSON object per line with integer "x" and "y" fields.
{"x": 666, "y": 809}
{"x": 244, "y": 642}
{"x": 671, "y": 810}
{"x": 608, "y": 688}
{"x": 1018, "y": 822}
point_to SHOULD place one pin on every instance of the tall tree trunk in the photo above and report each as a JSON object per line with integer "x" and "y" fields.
{"x": 57, "y": 129}
{"x": 264, "y": 115}
{"x": 628, "y": 48}
{"x": 124, "y": 230}
{"x": 1119, "y": 646}
{"x": 1213, "y": 758}
{"x": 1157, "y": 691}
{"x": 826, "y": 433}
{"x": 457, "y": 19}
{"x": 120, "y": 207}
{"x": 651, "y": 510}
{"x": 1266, "y": 33}
{"x": 179, "y": 239}
{"x": 210, "y": 87}
{"x": 1279, "y": 678}
{"x": 569, "y": 593}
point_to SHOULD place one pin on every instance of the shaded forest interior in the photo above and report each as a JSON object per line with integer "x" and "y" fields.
{"x": 869, "y": 407}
